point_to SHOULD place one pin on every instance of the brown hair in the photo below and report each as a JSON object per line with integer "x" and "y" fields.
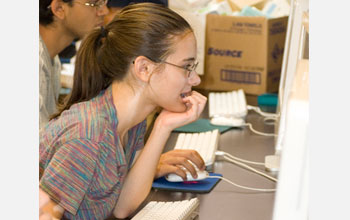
{"x": 45, "y": 14}
{"x": 105, "y": 55}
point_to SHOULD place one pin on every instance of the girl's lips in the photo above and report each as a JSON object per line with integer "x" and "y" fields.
{"x": 185, "y": 94}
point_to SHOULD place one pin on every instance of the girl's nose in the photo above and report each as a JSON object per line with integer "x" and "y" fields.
{"x": 194, "y": 80}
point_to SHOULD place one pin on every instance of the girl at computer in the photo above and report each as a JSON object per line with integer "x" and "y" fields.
{"x": 142, "y": 60}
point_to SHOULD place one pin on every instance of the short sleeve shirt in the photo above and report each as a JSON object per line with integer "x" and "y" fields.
{"x": 82, "y": 163}
{"x": 49, "y": 83}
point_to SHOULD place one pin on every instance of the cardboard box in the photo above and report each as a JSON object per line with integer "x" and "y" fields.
{"x": 243, "y": 53}
{"x": 238, "y": 5}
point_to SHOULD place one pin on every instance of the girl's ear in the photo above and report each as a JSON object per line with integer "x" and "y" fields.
{"x": 58, "y": 8}
{"x": 143, "y": 68}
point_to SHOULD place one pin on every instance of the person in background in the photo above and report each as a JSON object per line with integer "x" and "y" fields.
{"x": 144, "y": 59}
{"x": 114, "y": 6}
{"x": 60, "y": 22}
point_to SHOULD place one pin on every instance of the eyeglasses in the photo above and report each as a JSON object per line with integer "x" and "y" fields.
{"x": 98, "y": 4}
{"x": 189, "y": 68}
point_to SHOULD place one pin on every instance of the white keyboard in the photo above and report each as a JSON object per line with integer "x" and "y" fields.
{"x": 228, "y": 108}
{"x": 178, "y": 210}
{"x": 205, "y": 143}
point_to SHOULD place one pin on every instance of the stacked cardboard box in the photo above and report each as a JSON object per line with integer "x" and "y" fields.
{"x": 243, "y": 53}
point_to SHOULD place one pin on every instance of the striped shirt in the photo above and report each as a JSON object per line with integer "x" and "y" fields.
{"x": 82, "y": 162}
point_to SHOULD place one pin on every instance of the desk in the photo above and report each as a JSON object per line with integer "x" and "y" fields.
{"x": 226, "y": 201}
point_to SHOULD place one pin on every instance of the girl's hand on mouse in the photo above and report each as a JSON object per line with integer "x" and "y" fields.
{"x": 195, "y": 104}
{"x": 175, "y": 160}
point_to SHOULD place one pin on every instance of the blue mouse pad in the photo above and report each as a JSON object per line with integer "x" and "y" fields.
{"x": 202, "y": 186}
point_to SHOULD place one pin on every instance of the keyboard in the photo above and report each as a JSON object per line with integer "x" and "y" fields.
{"x": 177, "y": 210}
{"x": 205, "y": 143}
{"x": 228, "y": 108}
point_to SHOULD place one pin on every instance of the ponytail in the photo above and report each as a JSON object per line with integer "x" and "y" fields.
{"x": 88, "y": 80}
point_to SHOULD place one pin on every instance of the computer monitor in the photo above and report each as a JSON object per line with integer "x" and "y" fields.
{"x": 296, "y": 48}
{"x": 291, "y": 200}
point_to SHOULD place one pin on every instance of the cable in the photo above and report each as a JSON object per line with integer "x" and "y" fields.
{"x": 234, "y": 160}
{"x": 244, "y": 187}
{"x": 222, "y": 153}
{"x": 273, "y": 119}
{"x": 258, "y": 132}
{"x": 258, "y": 110}
{"x": 250, "y": 168}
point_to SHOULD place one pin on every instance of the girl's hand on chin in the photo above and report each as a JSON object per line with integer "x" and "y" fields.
{"x": 195, "y": 104}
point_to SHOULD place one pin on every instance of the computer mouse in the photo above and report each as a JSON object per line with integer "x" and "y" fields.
{"x": 201, "y": 175}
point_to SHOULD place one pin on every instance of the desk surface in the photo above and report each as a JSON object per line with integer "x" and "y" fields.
{"x": 226, "y": 201}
